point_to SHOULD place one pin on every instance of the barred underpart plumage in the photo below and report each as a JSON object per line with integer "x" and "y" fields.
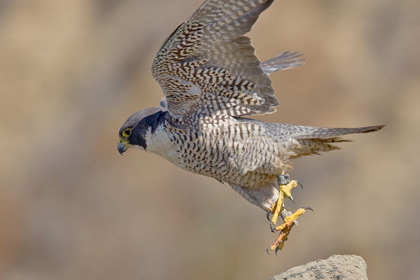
{"x": 212, "y": 81}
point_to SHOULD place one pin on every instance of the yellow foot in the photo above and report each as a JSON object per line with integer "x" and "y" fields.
{"x": 285, "y": 228}
{"x": 284, "y": 192}
{"x": 285, "y": 187}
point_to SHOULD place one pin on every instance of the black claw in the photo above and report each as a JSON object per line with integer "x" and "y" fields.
{"x": 299, "y": 184}
{"x": 307, "y": 208}
{"x": 268, "y": 215}
{"x": 272, "y": 226}
{"x": 283, "y": 179}
{"x": 268, "y": 250}
{"x": 277, "y": 250}
{"x": 291, "y": 199}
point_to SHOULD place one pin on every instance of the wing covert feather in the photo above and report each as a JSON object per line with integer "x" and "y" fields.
{"x": 207, "y": 66}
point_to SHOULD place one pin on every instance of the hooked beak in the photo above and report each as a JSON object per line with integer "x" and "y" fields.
{"x": 122, "y": 147}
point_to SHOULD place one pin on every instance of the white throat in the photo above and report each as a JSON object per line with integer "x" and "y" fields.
{"x": 159, "y": 143}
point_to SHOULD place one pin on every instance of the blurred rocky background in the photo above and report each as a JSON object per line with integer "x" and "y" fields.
{"x": 71, "y": 207}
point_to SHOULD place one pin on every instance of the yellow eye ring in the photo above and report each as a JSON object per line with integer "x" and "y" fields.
{"x": 126, "y": 132}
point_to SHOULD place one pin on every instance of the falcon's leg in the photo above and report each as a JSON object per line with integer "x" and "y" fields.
{"x": 264, "y": 197}
{"x": 285, "y": 187}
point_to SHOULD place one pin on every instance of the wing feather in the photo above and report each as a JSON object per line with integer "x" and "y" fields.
{"x": 207, "y": 66}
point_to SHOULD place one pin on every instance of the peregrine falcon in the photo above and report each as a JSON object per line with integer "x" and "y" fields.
{"x": 212, "y": 82}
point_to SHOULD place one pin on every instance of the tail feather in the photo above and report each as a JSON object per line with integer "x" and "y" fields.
{"x": 307, "y": 140}
{"x": 318, "y": 132}
{"x": 322, "y": 139}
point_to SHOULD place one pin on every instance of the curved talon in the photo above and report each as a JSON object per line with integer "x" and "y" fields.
{"x": 268, "y": 215}
{"x": 291, "y": 199}
{"x": 268, "y": 250}
{"x": 307, "y": 208}
{"x": 277, "y": 251}
{"x": 272, "y": 226}
{"x": 299, "y": 184}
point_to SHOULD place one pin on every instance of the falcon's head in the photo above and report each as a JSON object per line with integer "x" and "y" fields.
{"x": 133, "y": 132}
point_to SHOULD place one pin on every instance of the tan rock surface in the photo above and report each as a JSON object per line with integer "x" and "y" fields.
{"x": 336, "y": 267}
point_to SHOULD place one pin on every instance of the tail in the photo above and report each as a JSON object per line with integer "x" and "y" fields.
{"x": 312, "y": 140}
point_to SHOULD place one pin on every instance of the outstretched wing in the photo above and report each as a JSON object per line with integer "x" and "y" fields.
{"x": 207, "y": 67}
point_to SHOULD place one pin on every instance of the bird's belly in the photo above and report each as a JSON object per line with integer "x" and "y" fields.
{"x": 232, "y": 176}
{"x": 221, "y": 169}
{"x": 216, "y": 155}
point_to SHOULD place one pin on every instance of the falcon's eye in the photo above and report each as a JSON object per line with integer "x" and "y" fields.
{"x": 126, "y": 132}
